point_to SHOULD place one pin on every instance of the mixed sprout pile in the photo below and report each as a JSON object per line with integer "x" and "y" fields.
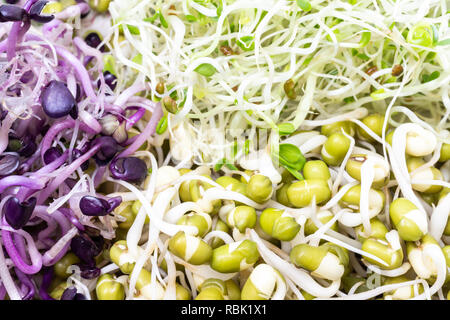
{"x": 225, "y": 150}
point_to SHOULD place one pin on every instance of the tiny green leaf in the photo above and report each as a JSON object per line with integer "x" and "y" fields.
{"x": 246, "y": 43}
{"x": 349, "y": 99}
{"x": 365, "y": 38}
{"x": 234, "y": 151}
{"x": 307, "y": 61}
{"x": 163, "y": 21}
{"x": 231, "y": 166}
{"x": 205, "y": 69}
{"x": 224, "y": 162}
{"x": 291, "y": 156}
{"x": 162, "y": 125}
{"x": 305, "y": 5}
{"x": 286, "y": 128}
{"x": 363, "y": 56}
{"x": 295, "y": 173}
{"x": 219, "y": 164}
{"x": 133, "y": 29}
{"x": 430, "y": 56}
{"x": 430, "y": 77}
{"x": 137, "y": 58}
{"x": 152, "y": 18}
{"x": 378, "y": 94}
{"x": 191, "y": 18}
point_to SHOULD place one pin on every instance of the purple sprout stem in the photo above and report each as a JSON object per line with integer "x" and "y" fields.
{"x": 148, "y": 131}
{"x": 129, "y": 141}
{"x": 13, "y": 39}
{"x": 80, "y": 70}
{"x": 26, "y": 281}
{"x": 36, "y": 258}
{"x": 68, "y": 213}
{"x": 2, "y": 292}
{"x": 24, "y": 167}
{"x": 128, "y": 93}
{"x": 66, "y": 173}
{"x": 11, "y": 181}
{"x": 59, "y": 249}
{"x": 57, "y": 128}
{"x": 21, "y": 248}
{"x": 99, "y": 174}
{"x": 17, "y": 31}
{"x": 62, "y": 221}
{"x": 111, "y": 108}
{"x": 51, "y": 224}
{"x": 47, "y": 278}
{"x": 25, "y": 192}
{"x": 131, "y": 121}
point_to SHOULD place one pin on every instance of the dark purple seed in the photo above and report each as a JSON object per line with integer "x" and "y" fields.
{"x": 86, "y": 248}
{"x": 36, "y": 12}
{"x": 89, "y": 272}
{"x": 17, "y": 214}
{"x": 51, "y": 155}
{"x": 114, "y": 202}
{"x": 99, "y": 242}
{"x": 71, "y": 294}
{"x": 29, "y": 147}
{"x": 93, "y": 40}
{"x": 8, "y": 164}
{"x": 108, "y": 149}
{"x": 27, "y": 77}
{"x": 11, "y": 1}
{"x": 110, "y": 79}
{"x": 82, "y": 248}
{"x": 57, "y": 101}
{"x": 12, "y": 13}
{"x": 93, "y": 206}
{"x": 130, "y": 169}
